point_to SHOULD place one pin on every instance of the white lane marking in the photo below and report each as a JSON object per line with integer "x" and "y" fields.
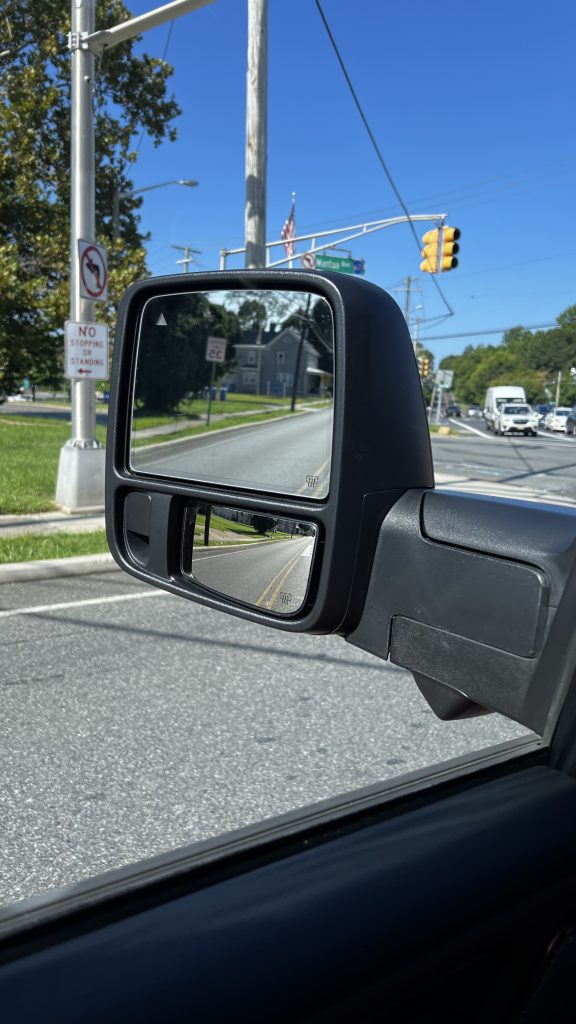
{"x": 38, "y": 608}
{"x": 551, "y": 439}
{"x": 457, "y": 423}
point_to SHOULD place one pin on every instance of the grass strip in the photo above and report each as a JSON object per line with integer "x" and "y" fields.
{"x": 30, "y": 448}
{"x": 229, "y": 421}
{"x": 26, "y": 547}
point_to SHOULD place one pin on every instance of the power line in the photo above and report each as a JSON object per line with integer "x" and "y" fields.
{"x": 498, "y": 330}
{"x": 377, "y": 149}
{"x": 163, "y": 59}
{"x": 451, "y": 197}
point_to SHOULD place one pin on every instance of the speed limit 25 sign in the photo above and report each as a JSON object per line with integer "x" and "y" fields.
{"x": 216, "y": 350}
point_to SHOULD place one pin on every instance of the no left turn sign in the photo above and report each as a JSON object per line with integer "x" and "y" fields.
{"x": 93, "y": 271}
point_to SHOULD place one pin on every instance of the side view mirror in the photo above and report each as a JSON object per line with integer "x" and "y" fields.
{"x": 268, "y": 455}
{"x": 261, "y": 426}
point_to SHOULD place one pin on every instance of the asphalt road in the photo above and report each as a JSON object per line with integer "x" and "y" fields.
{"x": 285, "y": 456}
{"x": 273, "y": 575}
{"x": 47, "y": 412}
{"x": 134, "y": 722}
{"x": 545, "y": 464}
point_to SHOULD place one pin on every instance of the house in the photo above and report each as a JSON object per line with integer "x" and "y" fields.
{"x": 267, "y": 364}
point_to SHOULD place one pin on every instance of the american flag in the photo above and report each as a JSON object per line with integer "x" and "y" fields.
{"x": 289, "y": 229}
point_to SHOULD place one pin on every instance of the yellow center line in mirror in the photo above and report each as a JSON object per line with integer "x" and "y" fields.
{"x": 317, "y": 472}
{"x": 281, "y": 577}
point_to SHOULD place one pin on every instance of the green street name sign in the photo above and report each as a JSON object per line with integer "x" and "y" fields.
{"x": 342, "y": 264}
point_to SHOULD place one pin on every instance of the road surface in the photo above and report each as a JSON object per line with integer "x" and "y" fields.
{"x": 272, "y": 575}
{"x": 545, "y": 464}
{"x": 134, "y": 722}
{"x": 284, "y": 456}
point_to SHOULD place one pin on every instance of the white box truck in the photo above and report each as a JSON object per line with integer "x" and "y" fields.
{"x": 496, "y": 397}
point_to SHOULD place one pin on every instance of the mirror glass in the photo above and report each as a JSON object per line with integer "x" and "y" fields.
{"x": 235, "y": 388}
{"x": 259, "y": 559}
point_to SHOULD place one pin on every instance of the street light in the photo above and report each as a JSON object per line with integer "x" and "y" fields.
{"x": 188, "y": 182}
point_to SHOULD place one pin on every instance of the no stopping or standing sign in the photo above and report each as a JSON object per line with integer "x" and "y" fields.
{"x": 85, "y": 351}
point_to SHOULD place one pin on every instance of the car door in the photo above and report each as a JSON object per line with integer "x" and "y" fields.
{"x": 395, "y": 900}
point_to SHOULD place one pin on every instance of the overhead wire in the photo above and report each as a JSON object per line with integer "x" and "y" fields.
{"x": 498, "y": 330}
{"x": 163, "y": 58}
{"x": 377, "y": 149}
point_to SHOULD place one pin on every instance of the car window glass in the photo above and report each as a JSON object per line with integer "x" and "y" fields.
{"x": 132, "y": 722}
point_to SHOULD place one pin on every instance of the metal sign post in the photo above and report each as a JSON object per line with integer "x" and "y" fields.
{"x": 215, "y": 353}
{"x": 80, "y": 481}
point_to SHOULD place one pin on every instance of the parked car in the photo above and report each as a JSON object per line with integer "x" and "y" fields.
{"x": 556, "y": 419}
{"x": 515, "y": 419}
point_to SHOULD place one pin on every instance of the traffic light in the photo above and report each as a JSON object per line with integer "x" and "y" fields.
{"x": 449, "y": 249}
{"x": 425, "y": 366}
{"x": 429, "y": 253}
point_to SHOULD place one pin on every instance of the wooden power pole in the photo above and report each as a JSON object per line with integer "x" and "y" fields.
{"x": 256, "y": 133}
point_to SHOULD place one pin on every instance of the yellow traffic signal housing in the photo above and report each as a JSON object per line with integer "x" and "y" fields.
{"x": 425, "y": 366}
{"x": 430, "y": 251}
{"x": 449, "y": 249}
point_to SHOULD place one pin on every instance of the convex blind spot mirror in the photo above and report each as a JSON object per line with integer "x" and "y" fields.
{"x": 257, "y": 559}
{"x": 261, "y": 426}
{"x": 264, "y": 354}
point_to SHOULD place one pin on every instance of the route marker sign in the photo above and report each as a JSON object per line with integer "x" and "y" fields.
{"x": 93, "y": 267}
{"x": 343, "y": 264}
{"x": 216, "y": 350}
{"x": 85, "y": 351}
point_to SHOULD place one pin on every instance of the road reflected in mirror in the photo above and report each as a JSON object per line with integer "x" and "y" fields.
{"x": 235, "y": 388}
{"x": 259, "y": 559}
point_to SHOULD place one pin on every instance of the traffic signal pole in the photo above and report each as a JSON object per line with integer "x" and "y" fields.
{"x": 80, "y": 480}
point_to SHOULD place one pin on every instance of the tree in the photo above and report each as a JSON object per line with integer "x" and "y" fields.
{"x": 130, "y": 97}
{"x": 263, "y": 524}
{"x": 251, "y": 315}
{"x": 172, "y": 353}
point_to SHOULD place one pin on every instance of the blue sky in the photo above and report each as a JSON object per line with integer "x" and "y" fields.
{"x": 471, "y": 105}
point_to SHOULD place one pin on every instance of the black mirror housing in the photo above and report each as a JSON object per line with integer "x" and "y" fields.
{"x": 380, "y": 449}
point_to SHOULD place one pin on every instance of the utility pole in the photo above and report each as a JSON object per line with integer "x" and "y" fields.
{"x": 558, "y": 383}
{"x": 80, "y": 481}
{"x": 407, "y": 300}
{"x": 256, "y": 133}
{"x": 188, "y": 257}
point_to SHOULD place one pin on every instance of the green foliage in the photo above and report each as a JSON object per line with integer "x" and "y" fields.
{"x": 171, "y": 360}
{"x": 529, "y": 360}
{"x": 30, "y": 449}
{"x": 262, "y": 524}
{"x": 31, "y": 547}
{"x": 130, "y": 96}
{"x": 251, "y": 314}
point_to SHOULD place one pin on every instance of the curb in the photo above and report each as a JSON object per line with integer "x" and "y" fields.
{"x": 52, "y": 568}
